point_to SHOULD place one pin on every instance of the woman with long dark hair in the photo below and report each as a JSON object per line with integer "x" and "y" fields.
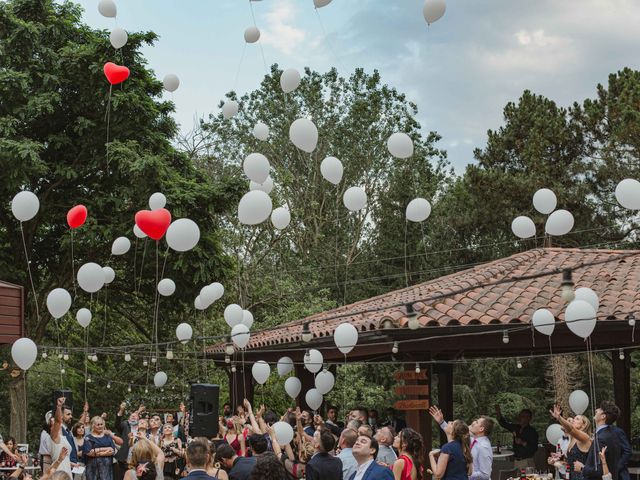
{"x": 454, "y": 459}
{"x": 408, "y": 466}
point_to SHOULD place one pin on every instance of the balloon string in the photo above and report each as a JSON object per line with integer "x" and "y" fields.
{"x": 157, "y": 300}
{"x": 108, "y": 119}
{"x": 86, "y": 354}
{"x": 337, "y": 229}
{"x": 406, "y": 274}
{"x": 326, "y": 37}
{"x": 244, "y": 376}
{"x": 104, "y": 332}
{"x": 255, "y": 24}
{"x": 144, "y": 252}
{"x": 33, "y": 288}
{"x": 135, "y": 262}
{"x": 73, "y": 268}
{"x": 592, "y": 392}
{"x": 235, "y": 82}
{"x": 155, "y": 323}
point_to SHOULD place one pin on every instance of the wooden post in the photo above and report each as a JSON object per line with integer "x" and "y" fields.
{"x": 445, "y": 394}
{"x": 622, "y": 390}
{"x": 418, "y": 388}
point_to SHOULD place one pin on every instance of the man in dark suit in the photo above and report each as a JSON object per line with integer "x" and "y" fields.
{"x": 606, "y": 414}
{"x": 197, "y": 461}
{"x": 239, "y": 468}
{"x": 625, "y": 448}
{"x": 123, "y": 427}
{"x": 323, "y": 465}
{"x": 365, "y": 452}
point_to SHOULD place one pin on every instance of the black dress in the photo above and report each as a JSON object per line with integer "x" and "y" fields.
{"x": 576, "y": 455}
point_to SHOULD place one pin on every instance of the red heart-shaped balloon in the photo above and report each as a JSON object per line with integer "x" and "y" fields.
{"x": 77, "y": 216}
{"x": 115, "y": 73}
{"x": 154, "y": 222}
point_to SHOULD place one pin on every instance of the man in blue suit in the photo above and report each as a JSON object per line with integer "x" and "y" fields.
{"x": 604, "y": 437}
{"x": 365, "y": 451}
{"x": 197, "y": 462}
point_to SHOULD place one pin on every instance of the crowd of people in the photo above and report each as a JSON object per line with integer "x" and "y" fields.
{"x": 362, "y": 447}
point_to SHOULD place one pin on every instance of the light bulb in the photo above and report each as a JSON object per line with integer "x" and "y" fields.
{"x": 227, "y": 359}
{"x": 44, "y": 354}
{"x": 88, "y": 379}
{"x": 145, "y": 363}
{"x": 394, "y": 349}
{"x": 169, "y": 354}
{"x": 62, "y": 370}
{"x": 518, "y": 363}
{"x": 631, "y": 319}
{"x": 60, "y": 356}
{"x": 94, "y": 357}
{"x": 228, "y": 349}
{"x": 413, "y": 322}
{"x": 621, "y": 354}
{"x": 233, "y": 368}
{"x": 505, "y": 337}
{"x": 109, "y": 385}
{"x": 146, "y": 390}
{"x": 65, "y": 357}
{"x": 127, "y": 357}
{"x": 129, "y": 389}
{"x": 153, "y": 359}
{"x": 417, "y": 368}
{"x": 307, "y": 336}
{"x": 568, "y": 294}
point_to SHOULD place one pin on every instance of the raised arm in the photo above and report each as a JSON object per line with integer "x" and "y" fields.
{"x": 252, "y": 417}
{"x": 57, "y": 420}
{"x": 579, "y": 435}
{"x": 438, "y": 416}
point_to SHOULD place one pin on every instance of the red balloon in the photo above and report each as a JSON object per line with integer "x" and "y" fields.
{"x": 77, "y": 216}
{"x": 115, "y": 73}
{"x": 154, "y": 223}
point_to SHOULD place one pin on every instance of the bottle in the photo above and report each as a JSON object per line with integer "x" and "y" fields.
{"x": 498, "y": 446}
{"x": 567, "y": 473}
{"x": 523, "y": 474}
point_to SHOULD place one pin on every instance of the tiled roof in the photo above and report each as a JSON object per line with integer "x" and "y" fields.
{"x": 479, "y": 299}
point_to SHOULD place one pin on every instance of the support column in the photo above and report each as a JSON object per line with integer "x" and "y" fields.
{"x": 445, "y": 394}
{"x": 420, "y": 420}
{"x": 622, "y": 390}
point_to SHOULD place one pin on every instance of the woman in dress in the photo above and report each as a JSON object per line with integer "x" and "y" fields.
{"x": 78, "y": 438}
{"x": 408, "y": 466}
{"x": 146, "y": 462}
{"x": 172, "y": 449}
{"x": 236, "y": 435}
{"x": 454, "y": 459}
{"x": 58, "y": 440}
{"x": 579, "y": 429}
{"x": 98, "y": 451}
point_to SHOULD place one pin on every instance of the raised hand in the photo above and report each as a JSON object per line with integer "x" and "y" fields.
{"x": 437, "y": 414}
{"x": 60, "y": 401}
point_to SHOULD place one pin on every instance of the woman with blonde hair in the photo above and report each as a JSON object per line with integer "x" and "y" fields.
{"x": 98, "y": 450}
{"x": 454, "y": 459}
{"x": 579, "y": 429}
{"x": 146, "y": 462}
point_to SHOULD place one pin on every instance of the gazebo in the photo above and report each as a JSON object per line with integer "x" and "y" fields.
{"x": 481, "y": 312}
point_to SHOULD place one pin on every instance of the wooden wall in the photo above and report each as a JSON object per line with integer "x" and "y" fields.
{"x": 11, "y": 312}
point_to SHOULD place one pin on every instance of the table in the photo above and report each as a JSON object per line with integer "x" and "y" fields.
{"x": 503, "y": 455}
{"x": 502, "y": 466}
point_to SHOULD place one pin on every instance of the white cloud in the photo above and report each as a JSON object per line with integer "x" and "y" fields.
{"x": 280, "y": 31}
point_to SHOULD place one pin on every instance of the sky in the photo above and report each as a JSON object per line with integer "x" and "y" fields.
{"x": 460, "y": 71}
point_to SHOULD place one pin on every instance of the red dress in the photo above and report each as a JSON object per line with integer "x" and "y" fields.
{"x": 408, "y": 467}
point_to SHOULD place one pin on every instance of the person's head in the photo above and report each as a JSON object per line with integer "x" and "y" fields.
{"x": 384, "y": 436}
{"x": 359, "y": 414}
{"x": 373, "y": 414}
{"x": 97, "y": 425}
{"x": 365, "y": 449}
{"x": 225, "y": 456}
{"x": 270, "y": 417}
{"x": 143, "y": 424}
{"x": 142, "y": 452}
{"x": 481, "y": 427}
{"x": 458, "y": 431}
{"x": 354, "y": 424}
{"x": 268, "y": 467}
{"x": 169, "y": 418}
{"x": 226, "y": 410}
{"x": 325, "y": 441}
{"x": 240, "y": 411}
{"x": 524, "y": 417}
{"x": 348, "y": 438}
{"x": 167, "y": 430}
{"x": 365, "y": 430}
{"x": 78, "y": 430}
{"x": 607, "y": 413}
{"x": 155, "y": 422}
{"x": 258, "y": 444}
{"x": 10, "y": 443}
{"x": 133, "y": 418}
{"x": 60, "y": 475}
{"x": 197, "y": 455}
{"x": 582, "y": 423}
{"x": 307, "y": 417}
{"x": 307, "y": 451}
{"x": 332, "y": 414}
{"x": 67, "y": 415}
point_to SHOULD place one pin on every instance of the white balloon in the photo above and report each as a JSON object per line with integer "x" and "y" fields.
{"x": 90, "y": 277}
{"x": 304, "y": 134}
{"x": 321, "y": 3}
{"x": 109, "y": 275}
{"x": 400, "y": 145}
{"x": 313, "y": 399}
{"x": 589, "y": 296}
{"x": 256, "y": 167}
{"x": 171, "y": 82}
{"x": 266, "y": 186}
{"x": 254, "y": 207}
{"x": 523, "y": 227}
{"x": 230, "y": 109}
{"x": 157, "y": 200}
{"x": 199, "y": 304}
{"x": 240, "y": 335}
{"x": 324, "y": 382}
{"x": 559, "y": 223}
{"x": 120, "y": 246}
{"x": 208, "y": 294}
{"x": 24, "y": 353}
{"x": 107, "y": 8}
{"x": 261, "y": 371}
{"x": 543, "y": 321}
{"x": 118, "y": 38}
{"x": 25, "y": 205}
{"x": 280, "y": 218}
{"x": 418, "y": 210}
{"x": 289, "y": 80}
{"x": 554, "y": 433}
{"x": 292, "y": 386}
{"x": 183, "y": 234}
{"x": 166, "y": 287}
{"x": 313, "y": 361}
{"x": 160, "y": 379}
{"x": 219, "y": 290}
{"x": 83, "y": 316}
{"x": 137, "y": 232}
{"x": 58, "y": 302}
{"x": 580, "y": 318}
{"x": 355, "y": 199}
{"x": 332, "y": 170}
{"x": 261, "y": 131}
{"x": 578, "y": 401}
{"x": 184, "y": 332}
{"x": 628, "y": 193}
{"x": 345, "y": 337}
{"x": 247, "y": 318}
{"x": 285, "y": 365}
{"x": 545, "y": 201}
{"x": 233, "y": 315}
{"x": 283, "y": 432}
{"x": 251, "y": 34}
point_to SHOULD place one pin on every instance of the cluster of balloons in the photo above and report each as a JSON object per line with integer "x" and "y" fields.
{"x": 182, "y": 235}
{"x": 580, "y": 315}
{"x": 559, "y": 222}
{"x": 208, "y": 295}
{"x": 240, "y": 321}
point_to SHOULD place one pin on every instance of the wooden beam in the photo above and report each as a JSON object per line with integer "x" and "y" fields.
{"x": 622, "y": 390}
{"x": 445, "y": 394}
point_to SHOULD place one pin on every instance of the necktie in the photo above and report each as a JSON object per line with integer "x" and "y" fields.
{"x": 473, "y": 443}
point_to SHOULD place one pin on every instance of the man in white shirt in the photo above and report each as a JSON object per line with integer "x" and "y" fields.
{"x": 365, "y": 450}
{"x": 386, "y": 455}
{"x": 347, "y": 439}
{"x": 481, "y": 450}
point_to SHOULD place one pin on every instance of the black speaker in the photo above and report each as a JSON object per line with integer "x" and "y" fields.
{"x": 203, "y": 420}
{"x": 68, "y": 399}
